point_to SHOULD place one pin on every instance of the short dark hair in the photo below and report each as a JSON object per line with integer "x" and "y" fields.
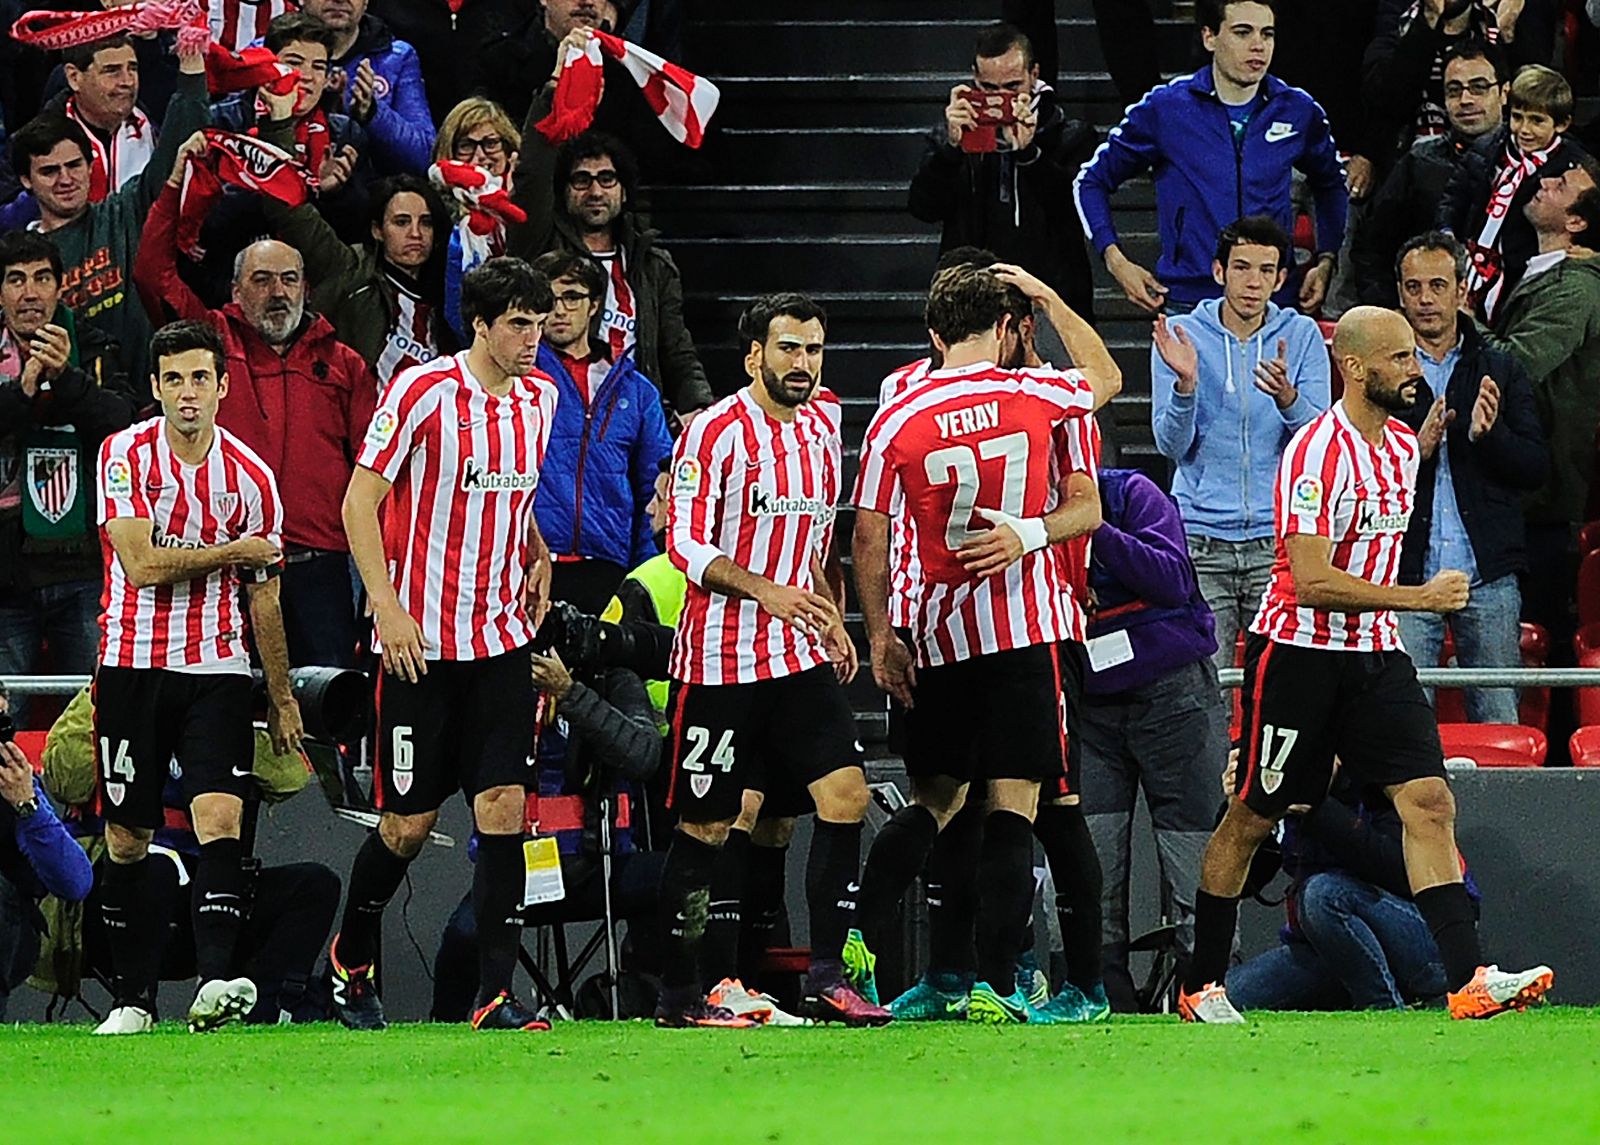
{"x": 756, "y": 321}
{"x": 967, "y": 256}
{"x": 491, "y": 288}
{"x": 1476, "y": 48}
{"x": 181, "y": 337}
{"x": 1437, "y": 241}
{"x": 965, "y": 301}
{"x": 41, "y": 135}
{"x": 570, "y": 264}
{"x": 18, "y": 247}
{"x": 1254, "y": 230}
{"x": 391, "y": 185}
{"x": 81, "y": 56}
{"x": 1587, "y": 207}
{"x": 300, "y": 28}
{"x": 1209, "y": 14}
{"x": 995, "y": 40}
{"x": 596, "y": 145}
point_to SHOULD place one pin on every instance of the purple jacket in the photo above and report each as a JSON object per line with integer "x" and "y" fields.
{"x": 1144, "y": 586}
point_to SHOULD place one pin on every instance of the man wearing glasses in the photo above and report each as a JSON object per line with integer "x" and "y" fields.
{"x": 1474, "y": 103}
{"x": 579, "y": 199}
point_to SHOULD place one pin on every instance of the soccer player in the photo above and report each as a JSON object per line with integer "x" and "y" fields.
{"x": 969, "y": 458}
{"x": 1326, "y": 675}
{"x": 756, "y": 702}
{"x": 189, "y": 514}
{"x": 459, "y": 579}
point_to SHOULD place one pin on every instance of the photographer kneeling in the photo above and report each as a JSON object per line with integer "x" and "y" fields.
{"x": 599, "y": 741}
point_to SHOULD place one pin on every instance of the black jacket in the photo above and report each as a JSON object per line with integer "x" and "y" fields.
{"x": 1018, "y": 205}
{"x": 1405, "y": 205}
{"x": 94, "y": 398}
{"x": 1464, "y": 208}
{"x": 1490, "y": 476}
{"x": 449, "y": 44}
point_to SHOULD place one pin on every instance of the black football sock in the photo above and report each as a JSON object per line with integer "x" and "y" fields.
{"x": 1075, "y": 869}
{"x": 952, "y": 879}
{"x": 374, "y": 877}
{"x": 1215, "y": 919}
{"x": 1447, "y": 910}
{"x": 136, "y": 904}
{"x": 719, "y": 952}
{"x": 894, "y": 859}
{"x": 831, "y": 871}
{"x": 219, "y": 905}
{"x": 497, "y": 888}
{"x": 685, "y": 899}
{"x": 1005, "y": 871}
{"x": 761, "y": 911}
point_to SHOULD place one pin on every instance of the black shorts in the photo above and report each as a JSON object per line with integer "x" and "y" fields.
{"x": 996, "y": 716}
{"x": 1303, "y": 706}
{"x": 152, "y": 723}
{"x": 773, "y": 736}
{"x": 467, "y": 726}
{"x": 1074, "y": 665}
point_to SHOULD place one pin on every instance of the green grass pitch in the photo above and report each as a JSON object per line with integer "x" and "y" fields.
{"x": 1290, "y": 1079}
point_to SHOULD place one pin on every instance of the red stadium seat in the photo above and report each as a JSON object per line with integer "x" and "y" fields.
{"x": 1494, "y": 745}
{"x": 1588, "y": 538}
{"x": 1588, "y": 699}
{"x": 1585, "y": 747}
{"x": 1534, "y": 710}
{"x": 1589, "y": 588}
{"x": 1587, "y": 640}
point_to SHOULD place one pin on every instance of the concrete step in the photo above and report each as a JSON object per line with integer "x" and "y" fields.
{"x": 765, "y": 262}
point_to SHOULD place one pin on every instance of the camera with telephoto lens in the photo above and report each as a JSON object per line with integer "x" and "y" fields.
{"x": 335, "y": 703}
{"x": 571, "y": 634}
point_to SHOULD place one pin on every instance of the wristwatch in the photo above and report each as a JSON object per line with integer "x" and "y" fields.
{"x": 28, "y": 808}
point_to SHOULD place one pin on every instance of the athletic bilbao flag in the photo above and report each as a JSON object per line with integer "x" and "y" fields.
{"x": 57, "y": 31}
{"x": 683, "y": 101}
{"x": 231, "y": 160}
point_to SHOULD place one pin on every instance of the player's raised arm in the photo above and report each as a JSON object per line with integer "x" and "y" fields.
{"x": 1317, "y": 584}
{"x": 1088, "y": 350}
{"x": 148, "y": 564}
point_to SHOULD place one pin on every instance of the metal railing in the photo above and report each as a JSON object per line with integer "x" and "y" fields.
{"x": 1231, "y": 678}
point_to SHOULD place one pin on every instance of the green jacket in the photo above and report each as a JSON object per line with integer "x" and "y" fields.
{"x": 347, "y": 286}
{"x": 1552, "y": 323}
{"x": 665, "y": 352}
{"x": 98, "y": 248}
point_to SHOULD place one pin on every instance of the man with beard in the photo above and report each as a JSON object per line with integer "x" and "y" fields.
{"x": 759, "y": 654}
{"x": 1325, "y": 675}
{"x": 297, "y": 396}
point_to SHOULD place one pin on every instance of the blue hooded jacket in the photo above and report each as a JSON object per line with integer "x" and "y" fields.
{"x": 600, "y": 468}
{"x": 401, "y": 127}
{"x": 1227, "y": 437}
{"x": 1182, "y": 134}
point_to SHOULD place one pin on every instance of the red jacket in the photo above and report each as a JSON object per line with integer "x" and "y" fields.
{"x": 304, "y": 411}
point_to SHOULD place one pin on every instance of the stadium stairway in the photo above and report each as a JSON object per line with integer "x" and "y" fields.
{"x": 825, "y": 105}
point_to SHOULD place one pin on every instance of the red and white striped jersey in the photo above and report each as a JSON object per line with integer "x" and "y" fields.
{"x": 1334, "y": 483}
{"x": 195, "y": 625}
{"x": 763, "y": 493}
{"x": 1077, "y": 451}
{"x": 619, "y": 320}
{"x": 410, "y": 341}
{"x": 968, "y": 439}
{"x": 464, "y": 465}
{"x": 905, "y": 574}
{"x": 237, "y": 24}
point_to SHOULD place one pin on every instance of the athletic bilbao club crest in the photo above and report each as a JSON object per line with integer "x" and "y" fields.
{"x": 115, "y": 792}
{"x": 700, "y": 784}
{"x": 402, "y": 781}
{"x": 1271, "y": 779}
{"x": 53, "y": 481}
{"x": 225, "y": 504}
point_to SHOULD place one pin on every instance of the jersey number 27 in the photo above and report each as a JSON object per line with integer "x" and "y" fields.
{"x": 959, "y": 463}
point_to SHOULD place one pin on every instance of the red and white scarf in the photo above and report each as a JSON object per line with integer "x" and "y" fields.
{"x": 683, "y": 101}
{"x": 1486, "y": 270}
{"x": 233, "y": 160}
{"x": 57, "y": 31}
{"x": 132, "y": 144}
{"x": 488, "y": 206}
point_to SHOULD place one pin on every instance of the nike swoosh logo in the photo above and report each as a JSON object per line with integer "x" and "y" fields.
{"x": 245, "y": 774}
{"x": 212, "y": 896}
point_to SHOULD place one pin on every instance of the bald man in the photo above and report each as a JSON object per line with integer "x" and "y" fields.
{"x": 296, "y": 395}
{"x": 1325, "y": 675}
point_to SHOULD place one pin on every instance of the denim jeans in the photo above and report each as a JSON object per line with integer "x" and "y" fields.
{"x": 67, "y": 615}
{"x": 1364, "y": 949}
{"x": 1488, "y": 634}
{"x": 1233, "y": 576}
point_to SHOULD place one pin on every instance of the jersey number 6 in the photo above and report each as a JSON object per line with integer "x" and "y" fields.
{"x": 959, "y": 463}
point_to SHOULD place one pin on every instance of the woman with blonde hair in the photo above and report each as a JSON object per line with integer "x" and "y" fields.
{"x": 479, "y": 134}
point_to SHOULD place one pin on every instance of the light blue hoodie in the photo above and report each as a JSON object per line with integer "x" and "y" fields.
{"x": 1226, "y": 438}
